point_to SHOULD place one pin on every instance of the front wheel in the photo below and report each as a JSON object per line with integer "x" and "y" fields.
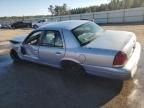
{"x": 14, "y": 56}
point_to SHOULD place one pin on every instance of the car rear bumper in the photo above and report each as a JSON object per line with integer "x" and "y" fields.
{"x": 126, "y": 72}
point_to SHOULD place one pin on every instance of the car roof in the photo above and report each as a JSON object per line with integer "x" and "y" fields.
{"x": 68, "y": 25}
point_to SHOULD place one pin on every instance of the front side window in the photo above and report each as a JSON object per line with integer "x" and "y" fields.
{"x": 86, "y": 33}
{"x": 52, "y": 39}
{"x": 33, "y": 39}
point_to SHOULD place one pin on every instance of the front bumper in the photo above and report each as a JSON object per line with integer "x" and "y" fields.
{"x": 126, "y": 72}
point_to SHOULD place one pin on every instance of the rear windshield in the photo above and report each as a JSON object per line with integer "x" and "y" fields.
{"x": 87, "y": 32}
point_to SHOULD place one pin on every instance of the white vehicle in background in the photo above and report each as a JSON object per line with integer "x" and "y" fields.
{"x": 39, "y": 22}
{"x": 0, "y": 26}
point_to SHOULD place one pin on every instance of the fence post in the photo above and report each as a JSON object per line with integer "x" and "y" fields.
{"x": 60, "y": 18}
{"x": 143, "y": 14}
{"x": 80, "y": 17}
{"x": 143, "y": 17}
{"x": 69, "y": 17}
{"x": 107, "y": 17}
{"x": 124, "y": 16}
{"x": 93, "y": 17}
{"x": 51, "y": 18}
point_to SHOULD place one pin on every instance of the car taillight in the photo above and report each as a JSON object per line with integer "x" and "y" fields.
{"x": 120, "y": 59}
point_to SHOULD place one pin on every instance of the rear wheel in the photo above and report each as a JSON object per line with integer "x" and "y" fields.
{"x": 15, "y": 56}
{"x": 73, "y": 67}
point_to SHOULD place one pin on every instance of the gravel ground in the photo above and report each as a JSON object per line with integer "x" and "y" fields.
{"x": 29, "y": 85}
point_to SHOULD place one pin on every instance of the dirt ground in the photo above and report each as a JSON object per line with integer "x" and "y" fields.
{"x": 131, "y": 94}
{"x": 8, "y": 34}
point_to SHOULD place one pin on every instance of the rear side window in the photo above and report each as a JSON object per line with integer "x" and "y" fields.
{"x": 52, "y": 39}
{"x": 86, "y": 33}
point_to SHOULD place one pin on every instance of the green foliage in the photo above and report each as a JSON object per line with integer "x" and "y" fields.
{"x": 51, "y": 9}
{"x": 63, "y": 9}
{"x": 58, "y": 10}
{"x": 112, "y": 5}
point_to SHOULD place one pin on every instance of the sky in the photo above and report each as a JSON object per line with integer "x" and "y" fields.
{"x": 40, "y": 7}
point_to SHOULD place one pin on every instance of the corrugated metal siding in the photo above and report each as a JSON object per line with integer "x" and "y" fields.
{"x": 115, "y": 16}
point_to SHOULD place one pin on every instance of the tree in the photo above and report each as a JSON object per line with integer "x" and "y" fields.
{"x": 61, "y": 10}
{"x": 51, "y": 9}
{"x": 112, "y": 5}
{"x": 64, "y": 8}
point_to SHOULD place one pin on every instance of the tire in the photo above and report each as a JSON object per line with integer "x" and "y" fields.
{"x": 35, "y": 26}
{"x": 72, "y": 67}
{"x": 14, "y": 56}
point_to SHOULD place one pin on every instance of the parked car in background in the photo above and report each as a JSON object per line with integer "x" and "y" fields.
{"x": 0, "y": 26}
{"x": 80, "y": 46}
{"x": 5, "y": 26}
{"x": 21, "y": 24}
{"x": 39, "y": 22}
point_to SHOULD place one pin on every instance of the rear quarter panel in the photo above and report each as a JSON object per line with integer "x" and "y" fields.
{"x": 97, "y": 57}
{"x": 85, "y": 55}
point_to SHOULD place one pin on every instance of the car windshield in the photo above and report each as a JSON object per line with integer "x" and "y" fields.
{"x": 86, "y": 33}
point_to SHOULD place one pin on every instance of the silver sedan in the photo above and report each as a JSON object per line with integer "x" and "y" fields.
{"x": 80, "y": 46}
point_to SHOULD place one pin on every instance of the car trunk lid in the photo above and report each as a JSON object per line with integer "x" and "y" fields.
{"x": 114, "y": 41}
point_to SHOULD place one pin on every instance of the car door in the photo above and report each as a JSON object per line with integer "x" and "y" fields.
{"x": 30, "y": 47}
{"x": 51, "y": 49}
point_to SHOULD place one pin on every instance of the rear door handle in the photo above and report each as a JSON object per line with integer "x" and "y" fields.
{"x": 58, "y": 53}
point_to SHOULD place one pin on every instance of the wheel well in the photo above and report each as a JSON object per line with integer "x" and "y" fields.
{"x": 65, "y": 65}
{"x": 13, "y": 51}
{"x": 14, "y": 55}
{"x": 68, "y": 61}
